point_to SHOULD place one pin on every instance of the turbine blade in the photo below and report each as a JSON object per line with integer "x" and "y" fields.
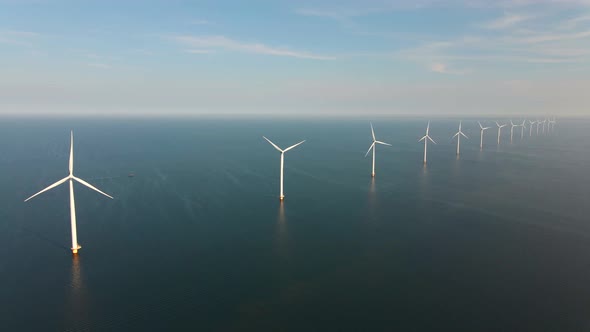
{"x": 71, "y": 164}
{"x": 370, "y": 147}
{"x": 431, "y": 139}
{"x": 292, "y": 146}
{"x": 464, "y": 135}
{"x": 383, "y": 143}
{"x": 50, "y": 187}
{"x": 455, "y": 135}
{"x": 480, "y": 126}
{"x": 90, "y": 186}
{"x": 372, "y": 131}
{"x": 420, "y": 140}
{"x": 276, "y": 147}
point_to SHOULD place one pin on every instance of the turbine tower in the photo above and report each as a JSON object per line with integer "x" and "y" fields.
{"x": 458, "y": 135}
{"x": 71, "y": 178}
{"x": 500, "y": 130}
{"x": 512, "y": 125}
{"x": 522, "y": 127}
{"x": 538, "y": 124}
{"x": 426, "y": 138}
{"x": 481, "y": 134}
{"x": 531, "y": 127}
{"x": 375, "y": 141}
{"x": 282, "y": 197}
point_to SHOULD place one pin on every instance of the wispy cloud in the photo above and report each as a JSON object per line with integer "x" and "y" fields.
{"x": 99, "y": 65}
{"x": 442, "y": 68}
{"x": 506, "y": 21}
{"x": 228, "y": 44}
{"x": 574, "y": 22}
{"x": 199, "y": 22}
{"x": 199, "y": 51}
{"x": 551, "y": 37}
{"x": 338, "y": 13}
{"x": 19, "y": 38}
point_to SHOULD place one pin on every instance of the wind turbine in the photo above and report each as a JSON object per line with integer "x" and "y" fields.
{"x": 426, "y": 138}
{"x": 500, "y": 130}
{"x": 544, "y": 123}
{"x": 522, "y": 129}
{"x": 538, "y": 124}
{"x": 552, "y": 124}
{"x": 282, "y": 197}
{"x": 375, "y": 141}
{"x": 531, "y": 128}
{"x": 71, "y": 178}
{"x": 481, "y": 139}
{"x": 512, "y": 125}
{"x": 458, "y": 135}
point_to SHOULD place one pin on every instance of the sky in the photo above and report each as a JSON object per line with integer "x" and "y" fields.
{"x": 333, "y": 58}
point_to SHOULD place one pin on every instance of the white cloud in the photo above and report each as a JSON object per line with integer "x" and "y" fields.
{"x": 442, "y": 68}
{"x": 199, "y": 22}
{"x": 222, "y": 42}
{"x": 19, "y": 38}
{"x": 99, "y": 65}
{"x": 199, "y": 51}
{"x": 506, "y": 21}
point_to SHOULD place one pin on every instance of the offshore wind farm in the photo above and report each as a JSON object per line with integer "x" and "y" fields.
{"x": 294, "y": 165}
{"x": 200, "y": 221}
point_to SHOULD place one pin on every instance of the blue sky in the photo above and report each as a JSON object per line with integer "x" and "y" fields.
{"x": 473, "y": 57}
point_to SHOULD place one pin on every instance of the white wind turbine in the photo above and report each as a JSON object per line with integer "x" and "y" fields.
{"x": 500, "y": 130}
{"x": 481, "y": 134}
{"x": 375, "y": 141}
{"x": 531, "y": 127}
{"x": 522, "y": 127}
{"x": 426, "y": 138}
{"x": 552, "y": 124}
{"x": 71, "y": 178}
{"x": 544, "y": 124}
{"x": 458, "y": 135}
{"x": 512, "y": 125}
{"x": 282, "y": 197}
{"x": 538, "y": 124}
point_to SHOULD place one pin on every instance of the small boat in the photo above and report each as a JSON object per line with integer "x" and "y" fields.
{"x": 131, "y": 175}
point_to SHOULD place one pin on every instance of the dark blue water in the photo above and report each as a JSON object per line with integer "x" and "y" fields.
{"x": 497, "y": 240}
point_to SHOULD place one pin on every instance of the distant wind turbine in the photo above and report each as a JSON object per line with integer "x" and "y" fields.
{"x": 426, "y": 138}
{"x": 500, "y": 130}
{"x": 531, "y": 127}
{"x": 522, "y": 127}
{"x": 282, "y": 197}
{"x": 544, "y": 123}
{"x": 538, "y": 124}
{"x": 375, "y": 141}
{"x": 481, "y": 134}
{"x": 512, "y": 125}
{"x": 552, "y": 124}
{"x": 458, "y": 135}
{"x": 71, "y": 178}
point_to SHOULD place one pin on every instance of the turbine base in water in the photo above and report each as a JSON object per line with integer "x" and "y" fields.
{"x": 75, "y": 250}
{"x": 372, "y": 175}
{"x": 282, "y": 198}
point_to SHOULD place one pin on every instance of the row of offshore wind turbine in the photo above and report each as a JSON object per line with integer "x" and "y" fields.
{"x": 71, "y": 178}
{"x": 550, "y": 128}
